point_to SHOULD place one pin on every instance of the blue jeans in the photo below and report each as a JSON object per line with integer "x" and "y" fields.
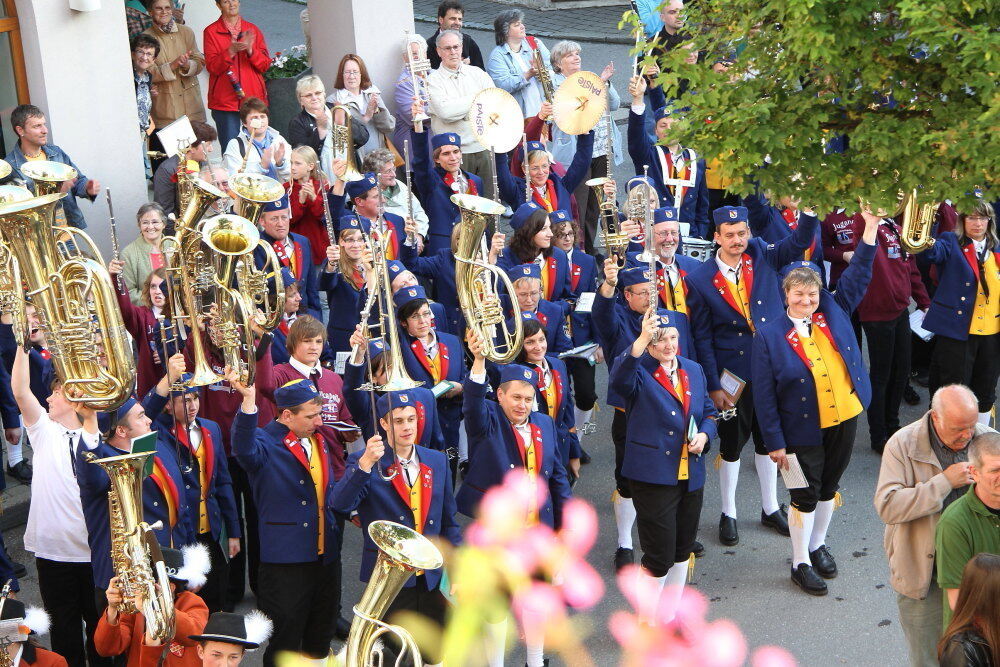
{"x": 227, "y": 124}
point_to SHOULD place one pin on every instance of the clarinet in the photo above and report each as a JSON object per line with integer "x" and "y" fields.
{"x": 527, "y": 172}
{"x": 411, "y": 240}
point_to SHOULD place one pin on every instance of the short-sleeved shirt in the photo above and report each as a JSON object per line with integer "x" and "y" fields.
{"x": 966, "y": 528}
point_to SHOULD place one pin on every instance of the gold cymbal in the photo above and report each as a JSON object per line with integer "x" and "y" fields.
{"x": 579, "y": 103}
{"x": 496, "y": 119}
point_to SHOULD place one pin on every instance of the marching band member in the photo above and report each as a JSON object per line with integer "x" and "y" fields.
{"x": 227, "y": 637}
{"x": 730, "y": 297}
{"x": 965, "y": 310}
{"x": 306, "y": 341}
{"x": 20, "y": 646}
{"x": 773, "y": 223}
{"x": 419, "y": 496}
{"x": 142, "y": 323}
{"x": 582, "y": 280}
{"x": 293, "y": 250}
{"x": 527, "y": 282}
{"x": 279, "y": 336}
{"x": 344, "y": 278}
{"x": 400, "y": 277}
{"x": 672, "y": 267}
{"x": 431, "y": 356}
{"x": 365, "y": 196}
{"x": 429, "y": 432}
{"x": 555, "y": 395}
{"x": 809, "y": 377}
{"x": 440, "y": 182}
{"x": 439, "y": 267}
{"x": 120, "y": 634}
{"x": 509, "y": 434}
{"x": 671, "y": 161}
{"x": 531, "y": 243}
{"x": 671, "y": 420}
{"x": 207, "y": 484}
{"x": 549, "y": 190}
{"x": 289, "y": 465}
{"x": 616, "y": 322}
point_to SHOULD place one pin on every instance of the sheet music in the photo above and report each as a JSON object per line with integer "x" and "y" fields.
{"x": 917, "y": 325}
{"x": 585, "y": 302}
{"x": 340, "y": 363}
{"x": 793, "y": 478}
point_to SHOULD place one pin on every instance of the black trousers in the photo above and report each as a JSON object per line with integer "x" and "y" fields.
{"x": 431, "y": 605}
{"x": 587, "y": 206}
{"x": 302, "y": 599}
{"x": 583, "y": 375}
{"x": 734, "y": 432}
{"x": 823, "y": 466}
{"x": 974, "y": 362}
{"x": 667, "y": 519}
{"x": 618, "y": 425}
{"x": 215, "y": 588}
{"x": 247, "y": 561}
{"x": 889, "y": 356}
{"x": 67, "y": 591}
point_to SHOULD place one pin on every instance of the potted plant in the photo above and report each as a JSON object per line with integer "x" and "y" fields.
{"x": 287, "y": 67}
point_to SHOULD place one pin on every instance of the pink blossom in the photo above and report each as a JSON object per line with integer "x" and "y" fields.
{"x": 579, "y": 526}
{"x": 772, "y": 656}
{"x": 538, "y": 608}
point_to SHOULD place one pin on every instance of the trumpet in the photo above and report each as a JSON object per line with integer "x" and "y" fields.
{"x": 615, "y": 242}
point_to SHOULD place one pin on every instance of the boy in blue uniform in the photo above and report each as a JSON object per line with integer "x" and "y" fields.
{"x": 420, "y": 496}
{"x": 291, "y": 475}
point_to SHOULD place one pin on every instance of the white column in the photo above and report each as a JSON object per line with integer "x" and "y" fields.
{"x": 80, "y": 74}
{"x": 373, "y": 30}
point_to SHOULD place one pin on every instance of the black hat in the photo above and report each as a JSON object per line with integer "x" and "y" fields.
{"x": 188, "y": 566}
{"x": 248, "y": 631}
{"x": 17, "y": 621}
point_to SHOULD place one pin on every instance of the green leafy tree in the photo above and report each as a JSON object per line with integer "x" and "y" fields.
{"x": 912, "y": 84}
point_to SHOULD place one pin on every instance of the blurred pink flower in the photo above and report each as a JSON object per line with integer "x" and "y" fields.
{"x": 772, "y": 656}
{"x": 538, "y": 608}
{"x": 579, "y": 526}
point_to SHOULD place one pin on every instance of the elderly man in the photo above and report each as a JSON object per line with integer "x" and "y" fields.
{"x": 970, "y": 525}
{"x": 451, "y": 89}
{"x": 924, "y": 469}
{"x": 397, "y": 197}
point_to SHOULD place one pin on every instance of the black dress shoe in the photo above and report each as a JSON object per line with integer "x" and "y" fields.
{"x": 623, "y": 557}
{"x": 698, "y": 549}
{"x": 20, "y": 571}
{"x": 584, "y": 457}
{"x": 910, "y": 395}
{"x": 21, "y": 471}
{"x": 343, "y": 629}
{"x": 823, "y": 563}
{"x": 728, "y": 533}
{"x": 805, "y": 577}
{"x": 778, "y": 520}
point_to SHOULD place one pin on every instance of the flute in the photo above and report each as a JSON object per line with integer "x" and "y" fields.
{"x": 411, "y": 240}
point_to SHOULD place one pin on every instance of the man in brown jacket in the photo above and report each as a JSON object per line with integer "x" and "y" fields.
{"x": 924, "y": 468}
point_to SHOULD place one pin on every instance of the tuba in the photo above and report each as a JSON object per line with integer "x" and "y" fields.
{"x": 75, "y": 301}
{"x": 401, "y": 552}
{"x": 917, "y": 221}
{"x": 135, "y": 553}
{"x": 343, "y": 143}
{"x": 477, "y": 281}
{"x": 48, "y": 176}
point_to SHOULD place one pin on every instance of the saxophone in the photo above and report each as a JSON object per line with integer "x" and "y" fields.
{"x": 401, "y": 552}
{"x": 135, "y": 554}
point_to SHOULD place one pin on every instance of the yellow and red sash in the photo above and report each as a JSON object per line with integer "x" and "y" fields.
{"x": 819, "y": 321}
{"x": 677, "y": 299}
{"x": 682, "y": 394}
{"x": 792, "y": 220}
{"x": 550, "y": 200}
{"x": 418, "y": 496}
{"x": 553, "y": 391}
{"x": 531, "y": 457}
{"x": 549, "y": 274}
{"x": 293, "y": 261}
{"x": 206, "y": 468}
{"x": 672, "y": 172}
{"x": 436, "y": 367}
{"x": 392, "y": 247}
{"x": 970, "y": 256}
{"x": 541, "y": 317}
{"x": 725, "y": 290}
{"x": 168, "y": 488}
{"x": 449, "y": 180}
{"x": 319, "y": 470}
{"x": 283, "y": 326}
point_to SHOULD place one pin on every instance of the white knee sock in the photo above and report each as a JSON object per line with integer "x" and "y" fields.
{"x": 676, "y": 578}
{"x": 984, "y": 418}
{"x": 767, "y": 476}
{"x": 14, "y": 454}
{"x": 581, "y": 417}
{"x": 824, "y": 512}
{"x": 496, "y": 642}
{"x": 652, "y": 603}
{"x": 800, "y": 526}
{"x": 624, "y": 519}
{"x": 729, "y": 474}
{"x": 536, "y": 654}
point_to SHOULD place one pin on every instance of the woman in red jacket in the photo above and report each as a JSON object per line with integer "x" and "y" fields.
{"x": 236, "y": 58}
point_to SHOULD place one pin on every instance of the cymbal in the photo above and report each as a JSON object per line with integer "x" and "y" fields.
{"x": 496, "y": 119}
{"x": 579, "y": 103}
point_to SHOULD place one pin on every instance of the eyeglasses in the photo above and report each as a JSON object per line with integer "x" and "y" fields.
{"x": 145, "y": 55}
{"x": 421, "y": 316}
{"x": 565, "y": 235}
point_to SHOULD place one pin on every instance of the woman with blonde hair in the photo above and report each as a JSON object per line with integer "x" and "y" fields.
{"x": 306, "y": 190}
{"x": 344, "y": 277}
{"x": 972, "y": 638}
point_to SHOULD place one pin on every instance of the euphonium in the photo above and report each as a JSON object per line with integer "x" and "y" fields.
{"x": 402, "y": 551}
{"x": 253, "y": 192}
{"x": 343, "y": 143}
{"x": 135, "y": 554}
{"x": 542, "y": 74}
{"x": 48, "y": 176}
{"x": 75, "y": 302}
{"x": 477, "y": 281}
{"x": 917, "y": 222}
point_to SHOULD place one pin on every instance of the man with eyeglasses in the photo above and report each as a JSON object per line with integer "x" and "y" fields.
{"x": 617, "y": 323}
{"x": 396, "y": 197}
{"x": 672, "y": 268}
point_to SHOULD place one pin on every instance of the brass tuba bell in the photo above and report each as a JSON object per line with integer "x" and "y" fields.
{"x": 48, "y": 176}
{"x": 917, "y": 221}
{"x": 343, "y": 143}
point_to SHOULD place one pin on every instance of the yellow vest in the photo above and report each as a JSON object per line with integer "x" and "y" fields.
{"x": 415, "y": 500}
{"x": 316, "y": 472}
{"x": 203, "y": 524}
{"x": 835, "y": 393}
{"x": 682, "y": 468}
{"x": 744, "y": 301}
{"x": 986, "y": 312}
{"x": 676, "y": 300}
{"x": 713, "y": 175}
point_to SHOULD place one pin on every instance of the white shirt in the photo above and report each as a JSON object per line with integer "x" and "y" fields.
{"x": 305, "y": 370}
{"x": 730, "y": 273}
{"x": 670, "y": 273}
{"x": 546, "y": 371}
{"x": 307, "y": 447}
{"x": 670, "y": 368}
{"x": 803, "y": 325}
{"x": 194, "y": 436}
{"x": 56, "y": 528}
{"x": 451, "y": 94}
{"x": 980, "y": 247}
{"x": 411, "y": 467}
{"x": 430, "y": 349}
